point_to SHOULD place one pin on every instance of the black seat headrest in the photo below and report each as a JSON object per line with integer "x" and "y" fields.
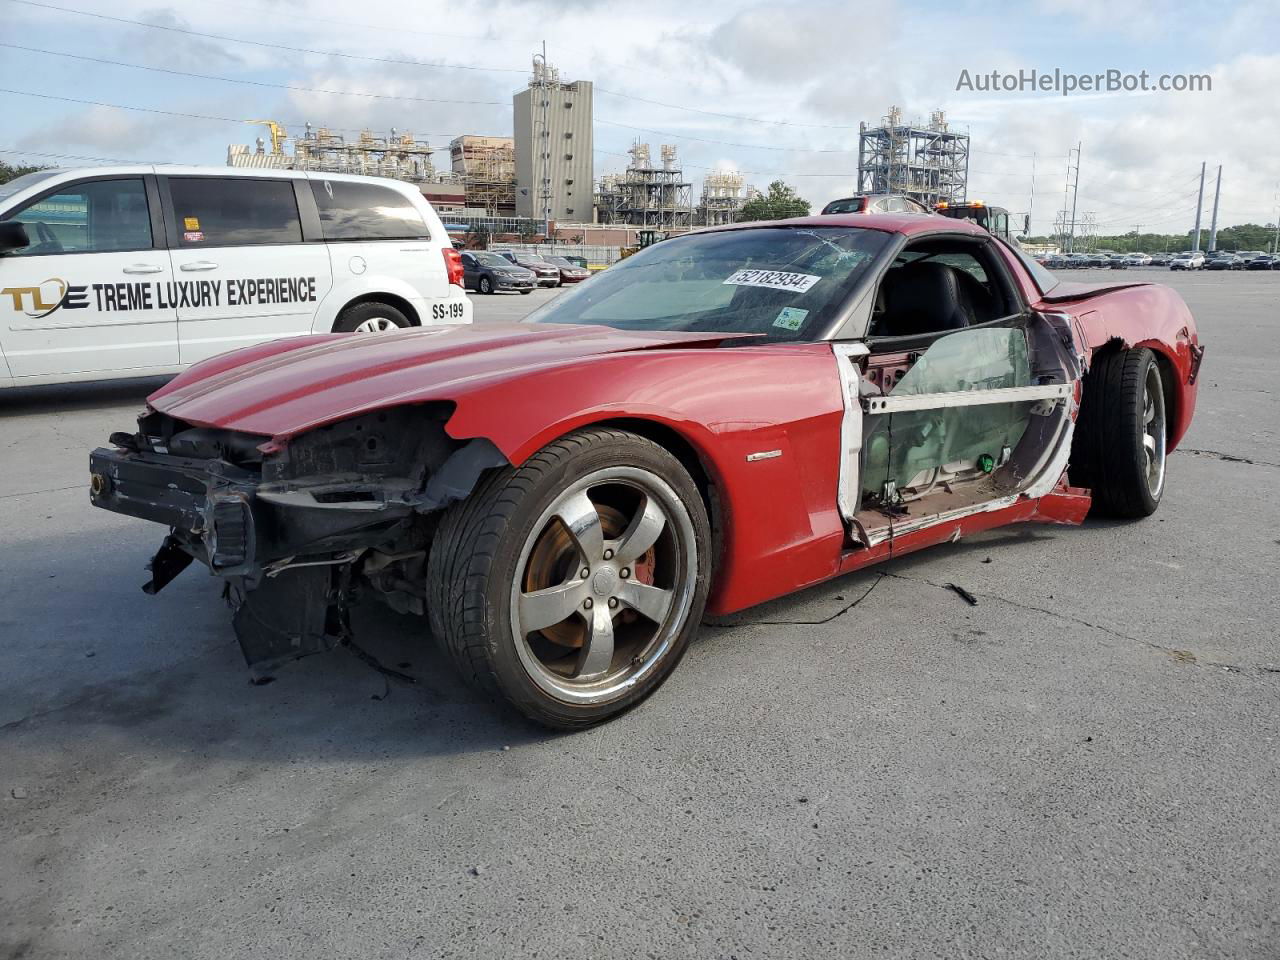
{"x": 923, "y": 297}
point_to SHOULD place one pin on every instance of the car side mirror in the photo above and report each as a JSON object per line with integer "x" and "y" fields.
{"x": 13, "y": 236}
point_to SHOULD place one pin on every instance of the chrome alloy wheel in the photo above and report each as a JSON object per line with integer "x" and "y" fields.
{"x": 603, "y": 585}
{"x": 377, "y": 325}
{"x": 1153, "y": 430}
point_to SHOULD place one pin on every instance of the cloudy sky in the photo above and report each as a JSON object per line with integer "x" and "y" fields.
{"x": 774, "y": 89}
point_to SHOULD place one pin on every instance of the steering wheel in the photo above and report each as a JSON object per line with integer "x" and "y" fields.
{"x": 48, "y": 242}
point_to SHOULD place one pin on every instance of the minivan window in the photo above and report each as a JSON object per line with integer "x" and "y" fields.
{"x": 93, "y": 217}
{"x": 365, "y": 211}
{"x": 234, "y": 211}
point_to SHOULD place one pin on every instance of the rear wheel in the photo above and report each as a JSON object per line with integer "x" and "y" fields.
{"x": 526, "y": 292}
{"x": 571, "y": 586}
{"x": 370, "y": 318}
{"x": 1120, "y": 446}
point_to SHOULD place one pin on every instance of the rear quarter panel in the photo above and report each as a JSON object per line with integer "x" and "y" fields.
{"x": 1150, "y": 315}
{"x": 779, "y": 524}
{"x": 1139, "y": 315}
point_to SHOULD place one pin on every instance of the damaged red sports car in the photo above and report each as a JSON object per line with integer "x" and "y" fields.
{"x": 723, "y": 418}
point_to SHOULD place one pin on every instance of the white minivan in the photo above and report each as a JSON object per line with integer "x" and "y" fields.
{"x": 132, "y": 271}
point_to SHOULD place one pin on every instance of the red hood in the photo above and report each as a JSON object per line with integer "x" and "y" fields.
{"x": 286, "y": 387}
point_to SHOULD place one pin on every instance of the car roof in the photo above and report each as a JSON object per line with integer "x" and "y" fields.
{"x": 909, "y": 224}
{"x": 251, "y": 173}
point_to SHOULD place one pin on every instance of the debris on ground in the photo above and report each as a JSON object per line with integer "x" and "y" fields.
{"x": 18, "y": 793}
{"x": 964, "y": 594}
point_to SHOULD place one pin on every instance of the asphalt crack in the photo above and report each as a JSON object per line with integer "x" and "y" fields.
{"x": 1181, "y": 656}
{"x": 1227, "y": 457}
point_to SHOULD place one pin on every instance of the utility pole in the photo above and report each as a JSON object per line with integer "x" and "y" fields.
{"x": 1213, "y": 223}
{"x": 1195, "y": 245}
{"x": 542, "y": 75}
{"x": 1075, "y": 195}
{"x": 1031, "y": 205}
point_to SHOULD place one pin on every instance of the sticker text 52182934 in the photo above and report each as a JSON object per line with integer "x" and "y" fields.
{"x": 773, "y": 279}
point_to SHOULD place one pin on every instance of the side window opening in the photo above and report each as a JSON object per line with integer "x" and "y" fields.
{"x": 939, "y": 286}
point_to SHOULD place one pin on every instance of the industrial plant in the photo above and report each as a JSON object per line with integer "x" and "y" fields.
{"x": 541, "y": 182}
{"x": 925, "y": 161}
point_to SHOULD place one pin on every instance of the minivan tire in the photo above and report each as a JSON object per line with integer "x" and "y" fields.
{"x": 371, "y": 317}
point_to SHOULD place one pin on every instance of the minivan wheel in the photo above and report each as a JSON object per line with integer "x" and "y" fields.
{"x": 571, "y": 585}
{"x": 370, "y": 318}
{"x": 486, "y": 285}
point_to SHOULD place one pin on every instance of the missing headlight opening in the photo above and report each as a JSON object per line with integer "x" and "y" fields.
{"x": 343, "y": 510}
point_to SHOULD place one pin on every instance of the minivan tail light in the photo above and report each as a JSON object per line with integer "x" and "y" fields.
{"x": 453, "y": 265}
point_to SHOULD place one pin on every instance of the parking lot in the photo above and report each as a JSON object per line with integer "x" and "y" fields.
{"x": 1081, "y": 765}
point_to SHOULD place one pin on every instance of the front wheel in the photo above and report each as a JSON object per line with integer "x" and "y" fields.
{"x": 486, "y": 285}
{"x": 1121, "y": 434}
{"x": 571, "y": 585}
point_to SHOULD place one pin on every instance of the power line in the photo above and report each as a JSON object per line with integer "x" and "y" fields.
{"x": 263, "y": 43}
{"x": 411, "y": 99}
{"x": 183, "y": 115}
{"x": 252, "y": 83}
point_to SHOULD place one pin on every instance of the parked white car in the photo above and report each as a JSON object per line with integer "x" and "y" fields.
{"x": 1187, "y": 261}
{"x": 1137, "y": 260}
{"x": 129, "y": 271}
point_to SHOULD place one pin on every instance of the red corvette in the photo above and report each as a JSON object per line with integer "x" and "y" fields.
{"x": 722, "y": 418}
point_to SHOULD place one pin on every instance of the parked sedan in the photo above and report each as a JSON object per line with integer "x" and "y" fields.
{"x": 489, "y": 273}
{"x": 1137, "y": 260}
{"x": 569, "y": 272}
{"x": 1224, "y": 261}
{"x": 564, "y": 498}
{"x": 1160, "y": 259}
{"x": 1264, "y": 262}
{"x": 548, "y": 275}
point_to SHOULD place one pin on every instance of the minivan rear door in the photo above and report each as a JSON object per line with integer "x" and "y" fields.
{"x": 242, "y": 270}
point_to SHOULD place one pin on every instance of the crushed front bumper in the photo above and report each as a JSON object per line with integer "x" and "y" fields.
{"x": 208, "y": 504}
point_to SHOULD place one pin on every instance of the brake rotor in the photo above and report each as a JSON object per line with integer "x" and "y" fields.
{"x": 555, "y": 559}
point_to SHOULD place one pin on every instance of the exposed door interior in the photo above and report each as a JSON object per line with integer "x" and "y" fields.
{"x": 964, "y": 392}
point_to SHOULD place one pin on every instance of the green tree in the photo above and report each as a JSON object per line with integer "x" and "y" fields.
{"x": 779, "y": 203}
{"x": 9, "y": 172}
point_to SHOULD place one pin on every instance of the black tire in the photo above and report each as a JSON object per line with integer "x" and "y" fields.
{"x": 485, "y": 285}
{"x": 483, "y": 540}
{"x": 352, "y": 317}
{"x": 1108, "y": 453}
{"x": 526, "y": 292}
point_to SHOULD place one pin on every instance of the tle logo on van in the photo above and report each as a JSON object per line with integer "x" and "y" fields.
{"x": 67, "y": 295}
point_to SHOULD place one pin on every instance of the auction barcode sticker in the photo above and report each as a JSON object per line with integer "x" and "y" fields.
{"x": 774, "y": 280}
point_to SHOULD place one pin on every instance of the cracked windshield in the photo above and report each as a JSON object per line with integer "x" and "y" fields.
{"x": 782, "y": 283}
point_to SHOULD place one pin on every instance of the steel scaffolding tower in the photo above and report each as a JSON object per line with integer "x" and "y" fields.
{"x": 645, "y": 195}
{"x": 928, "y": 163}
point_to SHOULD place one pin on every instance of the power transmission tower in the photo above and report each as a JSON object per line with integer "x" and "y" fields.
{"x": 1072, "y": 188}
